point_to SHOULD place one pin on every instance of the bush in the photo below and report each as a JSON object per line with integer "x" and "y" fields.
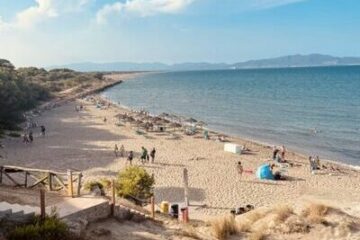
{"x": 14, "y": 134}
{"x": 102, "y": 184}
{"x": 50, "y": 229}
{"x": 224, "y": 227}
{"x": 134, "y": 182}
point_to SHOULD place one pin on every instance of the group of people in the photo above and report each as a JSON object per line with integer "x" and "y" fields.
{"x": 29, "y": 137}
{"x": 79, "y": 108}
{"x": 119, "y": 152}
{"x": 145, "y": 156}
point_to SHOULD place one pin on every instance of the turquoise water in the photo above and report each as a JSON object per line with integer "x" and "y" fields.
{"x": 310, "y": 110}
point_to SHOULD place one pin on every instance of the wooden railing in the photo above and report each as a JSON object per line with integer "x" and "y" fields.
{"x": 52, "y": 180}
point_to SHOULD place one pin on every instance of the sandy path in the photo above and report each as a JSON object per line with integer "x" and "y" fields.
{"x": 82, "y": 141}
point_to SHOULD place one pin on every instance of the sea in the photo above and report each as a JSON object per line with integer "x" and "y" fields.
{"x": 310, "y": 110}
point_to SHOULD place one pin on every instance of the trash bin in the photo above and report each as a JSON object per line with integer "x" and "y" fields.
{"x": 185, "y": 214}
{"x": 164, "y": 207}
{"x": 174, "y": 210}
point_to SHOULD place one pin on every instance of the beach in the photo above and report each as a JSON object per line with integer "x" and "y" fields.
{"x": 82, "y": 140}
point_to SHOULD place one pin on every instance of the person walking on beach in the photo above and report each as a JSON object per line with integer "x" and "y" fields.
{"x": 130, "y": 157}
{"x": 122, "y": 151}
{"x": 25, "y": 138}
{"x": 152, "y": 155}
{"x": 116, "y": 150}
{"x": 31, "y": 138}
{"x": 143, "y": 155}
{"x": 42, "y": 127}
{"x": 240, "y": 168}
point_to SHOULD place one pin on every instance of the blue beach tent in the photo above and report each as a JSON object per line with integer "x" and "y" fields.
{"x": 264, "y": 172}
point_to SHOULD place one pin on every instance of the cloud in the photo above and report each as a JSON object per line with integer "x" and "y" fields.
{"x": 142, "y": 8}
{"x": 264, "y": 4}
{"x": 41, "y": 11}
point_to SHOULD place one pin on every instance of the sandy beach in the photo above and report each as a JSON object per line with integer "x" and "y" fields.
{"x": 83, "y": 141}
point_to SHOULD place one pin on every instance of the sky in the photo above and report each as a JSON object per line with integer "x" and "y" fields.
{"x": 53, "y": 32}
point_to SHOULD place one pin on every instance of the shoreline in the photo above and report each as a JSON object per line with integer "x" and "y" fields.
{"x": 237, "y": 137}
{"x": 82, "y": 140}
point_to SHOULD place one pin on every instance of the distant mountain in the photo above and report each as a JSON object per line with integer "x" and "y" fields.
{"x": 311, "y": 60}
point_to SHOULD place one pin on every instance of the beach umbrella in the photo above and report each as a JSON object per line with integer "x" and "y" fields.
{"x": 175, "y": 125}
{"x": 147, "y": 118}
{"x": 191, "y": 120}
{"x": 120, "y": 116}
{"x": 164, "y": 115}
{"x": 138, "y": 122}
{"x": 200, "y": 124}
{"x": 156, "y": 119}
{"x": 130, "y": 119}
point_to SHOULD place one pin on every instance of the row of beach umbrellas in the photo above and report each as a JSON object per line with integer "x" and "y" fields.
{"x": 164, "y": 119}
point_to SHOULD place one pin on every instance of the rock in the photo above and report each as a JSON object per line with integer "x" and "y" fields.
{"x": 101, "y": 232}
{"x": 77, "y": 227}
{"x": 96, "y": 191}
{"x": 138, "y": 218}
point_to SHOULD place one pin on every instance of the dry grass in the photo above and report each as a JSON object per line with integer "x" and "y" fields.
{"x": 247, "y": 221}
{"x": 282, "y": 213}
{"x": 224, "y": 227}
{"x": 190, "y": 232}
{"x": 282, "y": 220}
{"x": 315, "y": 213}
{"x": 258, "y": 235}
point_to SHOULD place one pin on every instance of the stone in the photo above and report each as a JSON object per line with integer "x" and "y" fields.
{"x": 77, "y": 227}
{"x": 101, "y": 232}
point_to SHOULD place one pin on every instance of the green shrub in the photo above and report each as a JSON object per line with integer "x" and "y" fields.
{"x": 50, "y": 229}
{"x": 90, "y": 185}
{"x": 134, "y": 181}
{"x": 14, "y": 134}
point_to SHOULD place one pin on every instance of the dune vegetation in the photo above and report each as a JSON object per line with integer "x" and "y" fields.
{"x": 24, "y": 88}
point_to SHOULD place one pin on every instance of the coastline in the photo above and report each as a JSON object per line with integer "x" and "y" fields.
{"x": 83, "y": 141}
{"x": 236, "y": 137}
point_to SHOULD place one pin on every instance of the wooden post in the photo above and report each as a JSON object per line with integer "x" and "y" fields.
{"x": 1, "y": 174}
{"x": 79, "y": 184}
{"x": 26, "y": 179}
{"x": 42, "y": 204}
{"x": 152, "y": 200}
{"x": 186, "y": 187}
{"x": 50, "y": 181}
{"x": 113, "y": 200}
{"x": 70, "y": 183}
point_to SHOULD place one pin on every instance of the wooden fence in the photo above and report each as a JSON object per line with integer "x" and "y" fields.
{"x": 52, "y": 180}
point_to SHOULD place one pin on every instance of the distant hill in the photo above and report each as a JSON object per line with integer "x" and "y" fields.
{"x": 311, "y": 60}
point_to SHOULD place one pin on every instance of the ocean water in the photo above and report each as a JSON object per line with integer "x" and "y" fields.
{"x": 314, "y": 111}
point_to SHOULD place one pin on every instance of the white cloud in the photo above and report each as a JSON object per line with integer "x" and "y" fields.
{"x": 142, "y": 8}
{"x": 263, "y": 4}
{"x": 41, "y": 11}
